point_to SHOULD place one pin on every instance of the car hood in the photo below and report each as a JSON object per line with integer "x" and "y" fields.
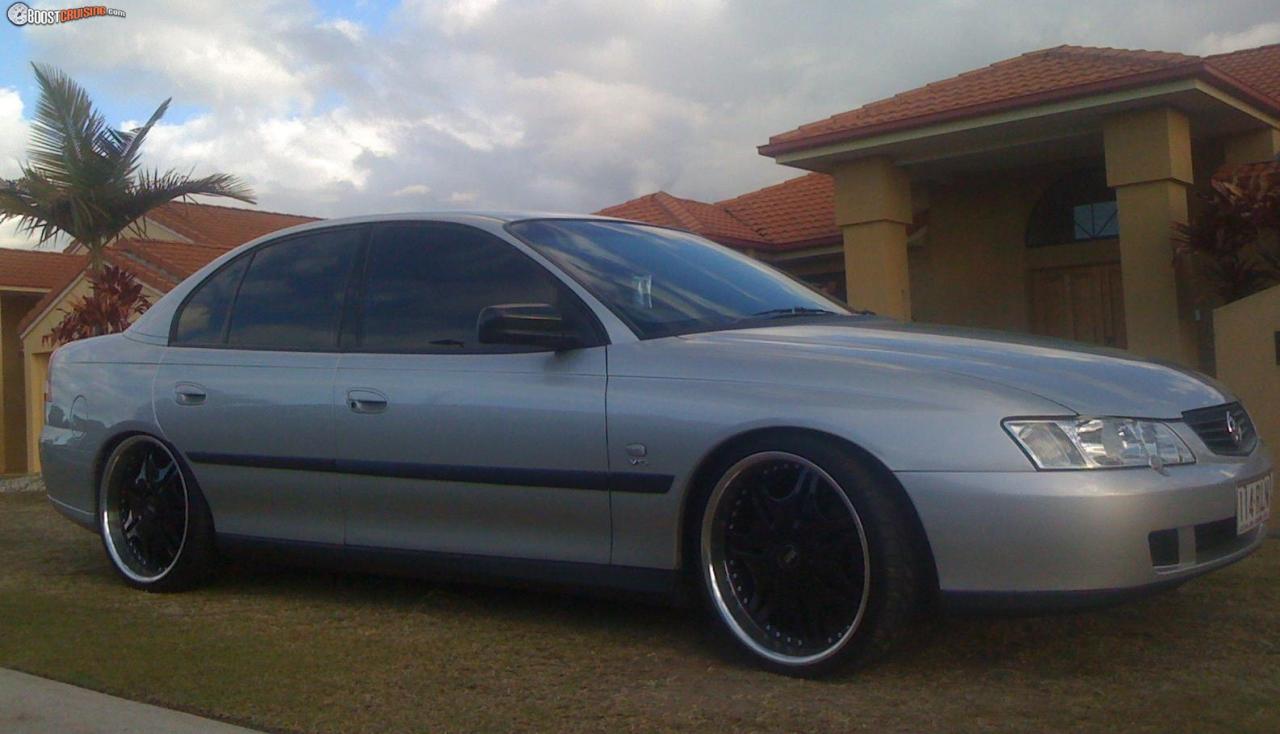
{"x": 1086, "y": 380}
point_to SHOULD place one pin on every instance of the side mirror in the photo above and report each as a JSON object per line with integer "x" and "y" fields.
{"x": 528, "y": 324}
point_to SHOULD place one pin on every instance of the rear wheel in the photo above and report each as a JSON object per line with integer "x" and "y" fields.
{"x": 154, "y": 522}
{"x": 806, "y": 557}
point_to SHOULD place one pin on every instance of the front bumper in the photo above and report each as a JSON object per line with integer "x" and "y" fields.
{"x": 1042, "y": 540}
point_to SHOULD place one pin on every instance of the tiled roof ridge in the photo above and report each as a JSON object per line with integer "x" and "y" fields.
{"x": 675, "y": 207}
{"x": 781, "y": 184}
{"x": 679, "y": 209}
{"x": 1241, "y": 51}
{"x": 243, "y": 209}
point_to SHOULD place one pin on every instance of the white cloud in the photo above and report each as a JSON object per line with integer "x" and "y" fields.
{"x": 566, "y": 104}
{"x": 412, "y": 190}
{"x": 13, "y": 145}
{"x": 13, "y": 132}
{"x": 351, "y": 30}
{"x": 1257, "y": 35}
{"x": 453, "y": 16}
{"x": 11, "y": 237}
{"x": 272, "y": 153}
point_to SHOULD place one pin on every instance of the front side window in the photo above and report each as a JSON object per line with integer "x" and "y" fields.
{"x": 292, "y": 295}
{"x": 426, "y": 284}
{"x": 663, "y": 282}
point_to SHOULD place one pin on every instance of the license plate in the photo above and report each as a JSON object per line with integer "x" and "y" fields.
{"x": 1253, "y": 504}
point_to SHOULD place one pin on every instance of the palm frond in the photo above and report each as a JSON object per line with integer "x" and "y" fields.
{"x": 65, "y": 128}
{"x": 83, "y": 178}
{"x": 154, "y": 188}
{"x": 126, "y": 160}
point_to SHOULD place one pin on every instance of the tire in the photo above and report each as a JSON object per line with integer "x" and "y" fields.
{"x": 153, "y": 520}
{"x": 806, "y": 559}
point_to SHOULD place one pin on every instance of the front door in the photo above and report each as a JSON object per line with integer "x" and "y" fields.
{"x": 1082, "y": 303}
{"x": 452, "y": 446}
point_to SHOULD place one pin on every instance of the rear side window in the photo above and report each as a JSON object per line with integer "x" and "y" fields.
{"x": 203, "y": 319}
{"x": 291, "y": 298}
{"x": 426, "y": 284}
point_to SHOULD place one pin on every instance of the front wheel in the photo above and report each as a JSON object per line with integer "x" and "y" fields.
{"x": 154, "y": 522}
{"x": 806, "y": 557}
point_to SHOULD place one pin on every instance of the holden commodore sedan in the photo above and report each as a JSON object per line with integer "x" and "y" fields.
{"x": 583, "y": 401}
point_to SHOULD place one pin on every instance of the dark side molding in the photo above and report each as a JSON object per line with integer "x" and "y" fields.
{"x": 601, "y": 481}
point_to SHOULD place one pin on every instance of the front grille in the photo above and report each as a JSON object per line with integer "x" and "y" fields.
{"x": 1164, "y": 547}
{"x": 1213, "y": 540}
{"x": 1213, "y": 427}
{"x": 1211, "y": 537}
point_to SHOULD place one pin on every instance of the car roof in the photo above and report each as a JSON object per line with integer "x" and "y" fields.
{"x": 463, "y": 216}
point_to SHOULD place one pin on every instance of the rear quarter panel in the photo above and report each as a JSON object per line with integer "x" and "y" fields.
{"x": 101, "y": 391}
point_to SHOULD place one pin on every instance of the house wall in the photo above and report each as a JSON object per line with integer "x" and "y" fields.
{"x": 1246, "y": 336}
{"x": 35, "y": 360}
{"x": 972, "y": 268}
{"x": 13, "y": 439}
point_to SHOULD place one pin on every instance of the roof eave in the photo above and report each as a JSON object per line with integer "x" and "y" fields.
{"x": 1189, "y": 71}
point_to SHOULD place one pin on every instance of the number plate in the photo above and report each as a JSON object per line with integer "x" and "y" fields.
{"x": 1253, "y": 504}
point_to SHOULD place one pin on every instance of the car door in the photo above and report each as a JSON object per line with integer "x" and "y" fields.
{"x": 245, "y": 388}
{"x": 458, "y": 447}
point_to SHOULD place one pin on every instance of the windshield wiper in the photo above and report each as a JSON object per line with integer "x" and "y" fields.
{"x": 781, "y": 313}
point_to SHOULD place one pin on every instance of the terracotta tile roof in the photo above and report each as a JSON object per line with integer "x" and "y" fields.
{"x": 1037, "y": 77}
{"x": 708, "y": 220}
{"x": 175, "y": 259}
{"x": 795, "y": 213}
{"x": 222, "y": 226}
{"x": 1257, "y": 67}
{"x": 36, "y": 269}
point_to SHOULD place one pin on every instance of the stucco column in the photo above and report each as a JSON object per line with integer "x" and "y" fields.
{"x": 1149, "y": 165}
{"x": 873, "y": 210}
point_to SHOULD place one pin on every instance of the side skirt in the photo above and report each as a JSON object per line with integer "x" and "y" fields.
{"x": 648, "y": 584}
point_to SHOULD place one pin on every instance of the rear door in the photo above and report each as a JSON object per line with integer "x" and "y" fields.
{"x": 458, "y": 447}
{"x": 245, "y": 389}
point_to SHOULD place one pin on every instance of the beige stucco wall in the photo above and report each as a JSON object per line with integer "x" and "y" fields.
{"x": 1245, "y": 337}
{"x": 13, "y": 440}
{"x": 971, "y": 269}
{"x": 35, "y": 357}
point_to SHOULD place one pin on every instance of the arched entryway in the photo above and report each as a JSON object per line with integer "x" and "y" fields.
{"x": 1073, "y": 261}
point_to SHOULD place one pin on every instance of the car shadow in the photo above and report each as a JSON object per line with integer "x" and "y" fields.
{"x": 1138, "y": 634}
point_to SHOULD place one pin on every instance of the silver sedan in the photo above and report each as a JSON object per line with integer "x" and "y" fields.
{"x": 582, "y": 401}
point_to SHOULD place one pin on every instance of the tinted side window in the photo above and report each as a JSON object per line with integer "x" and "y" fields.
{"x": 292, "y": 296}
{"x": 203, "y": 318}
{"x": 425, "y": 286}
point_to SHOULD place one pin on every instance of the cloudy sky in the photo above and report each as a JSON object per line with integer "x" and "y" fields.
{"x": 331, "y": 108}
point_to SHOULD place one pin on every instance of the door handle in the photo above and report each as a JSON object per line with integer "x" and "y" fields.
{"x": 189, "y": 393}
{"x": 366, "y": 401}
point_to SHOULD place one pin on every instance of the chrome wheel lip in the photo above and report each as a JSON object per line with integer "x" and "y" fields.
{"x": 709, "y": 564}
{"x": 110, "y": 526}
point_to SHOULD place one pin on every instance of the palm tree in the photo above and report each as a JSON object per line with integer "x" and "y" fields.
{"x": 84, "y": 179}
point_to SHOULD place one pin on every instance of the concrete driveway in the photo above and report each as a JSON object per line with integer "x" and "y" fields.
{"x": 31, "y": 705}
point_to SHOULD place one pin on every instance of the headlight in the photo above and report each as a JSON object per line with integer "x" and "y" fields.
{"x": 1098, "y": 443}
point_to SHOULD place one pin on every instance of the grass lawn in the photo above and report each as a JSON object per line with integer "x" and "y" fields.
{"x": 301, "y": 651}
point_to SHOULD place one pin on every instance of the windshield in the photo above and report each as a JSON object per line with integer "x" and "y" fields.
{"x": 663, "y": 282}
